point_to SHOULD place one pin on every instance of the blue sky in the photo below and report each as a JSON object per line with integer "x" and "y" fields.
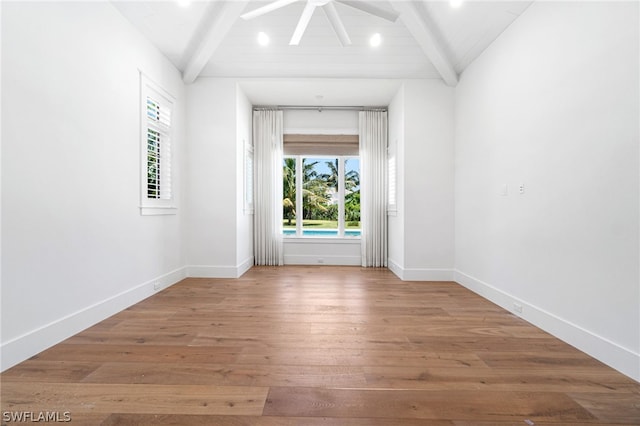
{"x": 322, "y": 168}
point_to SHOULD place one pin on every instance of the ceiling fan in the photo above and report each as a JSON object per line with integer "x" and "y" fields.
{"x": 329, "y": 9}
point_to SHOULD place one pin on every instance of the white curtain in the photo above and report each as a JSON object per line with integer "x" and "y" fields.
{"x": 373, "y": 206}
{"x": 267, "y": 141}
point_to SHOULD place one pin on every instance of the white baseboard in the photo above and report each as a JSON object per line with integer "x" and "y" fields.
{"x": 29, "y": 344}
{"x": 394, "y": 267}
{"x": 294, "y": 259}
{"x": 211, "y": 271}
{"x": 622, "y": 359}
{"x": 420, "y": 274}
{"x": 245, "y": 266}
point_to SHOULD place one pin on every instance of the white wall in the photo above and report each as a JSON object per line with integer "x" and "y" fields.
{"x": 218, "y": 231}
{"x": 244, "y": 217}
{"x": 317, "y": 251}
{"x": 321, "y": 122}
{"x": 219, "y": 234}
{"x": 75, "y": 248}
{"x": 428, "y": 181}
{"x": 422, "y": 233}
{"x": 395, "y": 224}
{"x": 553, "y": 104}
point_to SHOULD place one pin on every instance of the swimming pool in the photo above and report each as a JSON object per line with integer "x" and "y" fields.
{"x": 322, "y": 232}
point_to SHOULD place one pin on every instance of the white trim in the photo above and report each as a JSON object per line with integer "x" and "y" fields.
{"x": 321, "y": 240}
{"x": 33, "y": 342}
{"x": 431, "y": 46}
{"x": 420, "y": 274}
{"x": 217, "y": 25}
{"x": 622, "y": 359}
{"x": 427, "y": 274}
{"x": 217, "y": 271}
{"x": 322, "y": 260}
{"x": 156, "y": 211}
{"x": 243, "y": 267}
{"x": 395, "y": 268}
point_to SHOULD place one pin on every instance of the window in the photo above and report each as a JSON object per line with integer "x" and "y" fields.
{"x": 392, "y": 171}
{"x": 248, "y": 177}
{"x": 321, "y": 196}
{"x": 321, "y": 186}
{"x": 156, "y": 180}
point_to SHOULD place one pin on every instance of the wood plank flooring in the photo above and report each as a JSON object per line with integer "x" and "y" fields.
{"x": 332, "y": 346}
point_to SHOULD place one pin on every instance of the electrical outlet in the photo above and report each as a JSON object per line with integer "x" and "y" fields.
{"x": 320, "y": 260}
{"x": 517, "y": 307}
{"x": 156, "y": 285}
{"x": 521, "y": 188}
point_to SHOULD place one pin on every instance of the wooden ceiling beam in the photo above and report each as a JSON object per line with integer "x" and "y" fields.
{"x": 218, "y": 26}
{"x": 427, "y": 40}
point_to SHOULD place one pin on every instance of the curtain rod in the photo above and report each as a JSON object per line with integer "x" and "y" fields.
{"x": 320, "y": 108}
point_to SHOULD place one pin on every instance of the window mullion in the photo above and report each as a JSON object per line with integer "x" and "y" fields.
{"x": 299, "y": 195}
{"x": 341, "y": 191}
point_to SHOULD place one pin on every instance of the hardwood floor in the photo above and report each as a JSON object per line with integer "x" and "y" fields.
{"x": 337, "y": 346}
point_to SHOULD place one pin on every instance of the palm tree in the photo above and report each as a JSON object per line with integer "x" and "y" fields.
{"x": 289, "y": 189}
{"x": 352, "y": 195}
{"x": 351, "y": 178}
{"x": 352, "y": 206}
{"x": 351, "y": 187}
{"x": 314, "y": 190}
{"x": 332, "y": 177}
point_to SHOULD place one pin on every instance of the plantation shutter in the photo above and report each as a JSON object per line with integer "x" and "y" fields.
{"x": 158, "y": 146}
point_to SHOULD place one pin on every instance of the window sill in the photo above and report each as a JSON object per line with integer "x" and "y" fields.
{"x": 158, "y": 211}
{"x": 322, "y": 240}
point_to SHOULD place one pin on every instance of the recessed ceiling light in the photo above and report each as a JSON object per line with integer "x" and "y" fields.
{"x": 375, "y": 40}
{"x": 456, "y": 3}
{"x": 263, "y": 38}
{"x": 184, "y": 3}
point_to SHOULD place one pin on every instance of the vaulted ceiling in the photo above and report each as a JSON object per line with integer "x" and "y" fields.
{"x": 430, "y": 39}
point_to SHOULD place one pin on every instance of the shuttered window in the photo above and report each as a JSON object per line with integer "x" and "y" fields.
{"x": 158, "y": 149}
{"x": 392, "y": 171}
{"x": 156, "y": 177}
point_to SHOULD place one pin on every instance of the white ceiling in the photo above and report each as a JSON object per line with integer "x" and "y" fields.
{"x": 319, "y": 53}
{"x": 429, "y": 40}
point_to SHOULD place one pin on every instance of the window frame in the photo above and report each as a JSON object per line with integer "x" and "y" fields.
{"x": 249, "y": 171}
{"x": 340, "y": 195}
{"x": 392, "y": 180}
{"x": 161, "y": 205}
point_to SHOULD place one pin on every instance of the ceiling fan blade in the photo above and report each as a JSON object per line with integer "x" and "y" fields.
{"x": 336, "y": 23}
{"x": 302, "y": 24}
{"x": 267, "y": 8}
{"x": 371, "y": 9}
